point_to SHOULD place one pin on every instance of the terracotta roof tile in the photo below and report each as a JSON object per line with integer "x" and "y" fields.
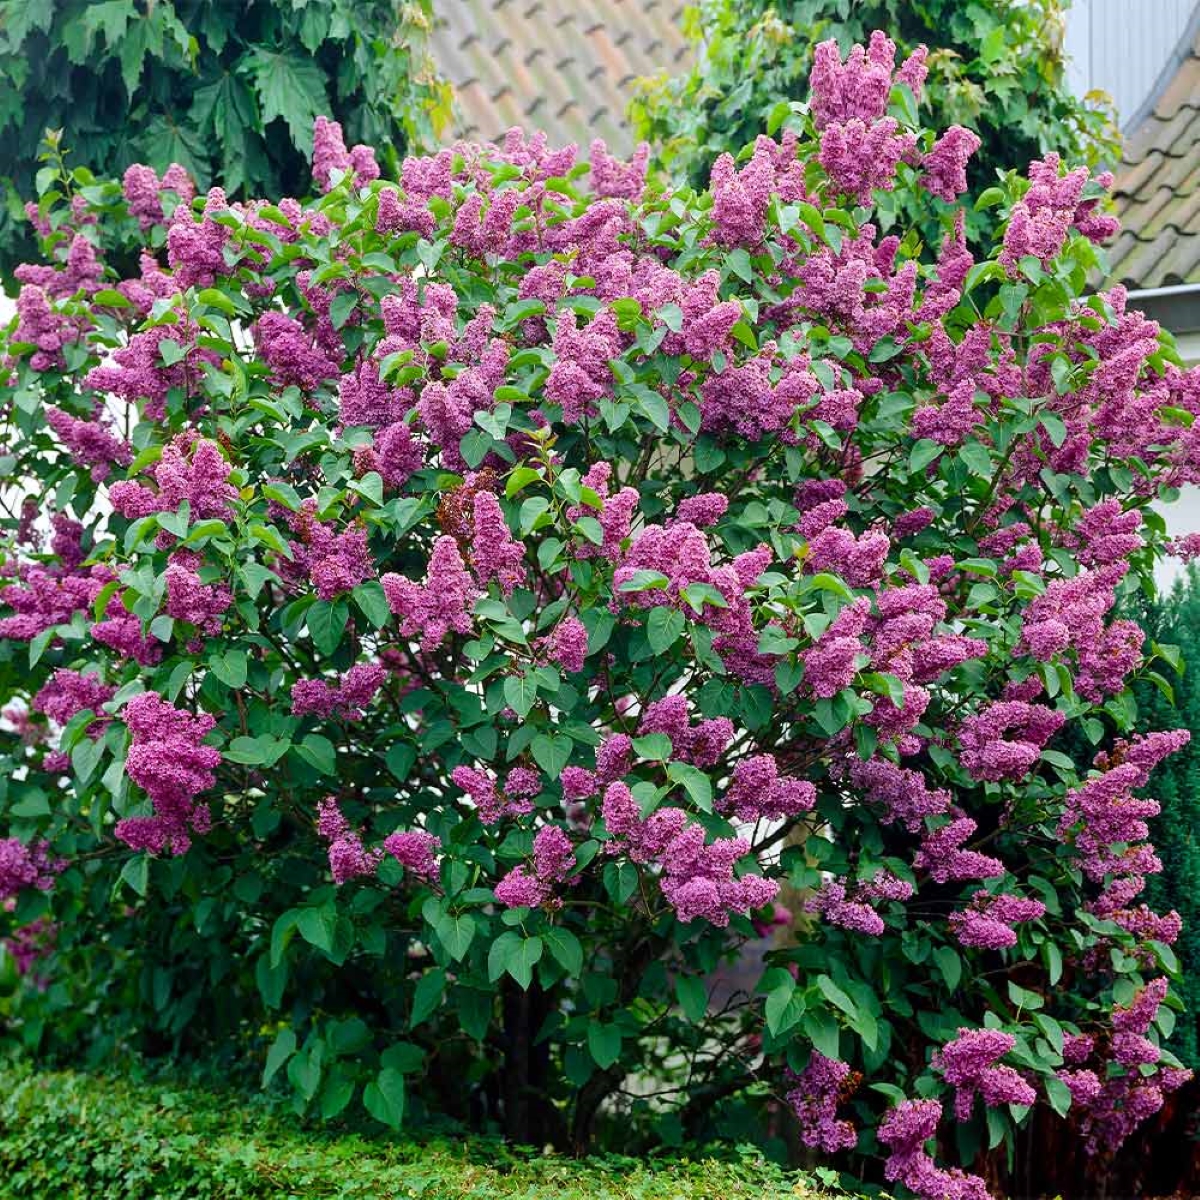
{"x": 1157, "y": 191}
{"x": 565, "y": 66}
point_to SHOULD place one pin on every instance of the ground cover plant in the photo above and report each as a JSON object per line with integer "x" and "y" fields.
{"x": 446, "y": 624}
{"x": 80, "y": 1137}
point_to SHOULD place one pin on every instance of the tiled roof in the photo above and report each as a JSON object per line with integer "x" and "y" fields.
{"x": 563, "y": 66}
{"x": 1158, "y": 188}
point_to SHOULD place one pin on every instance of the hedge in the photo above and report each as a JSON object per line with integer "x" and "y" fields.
{"x": 68, "y": 1135}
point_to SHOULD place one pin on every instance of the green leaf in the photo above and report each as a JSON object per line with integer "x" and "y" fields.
{"x": 319, "y": 753}
{"x": 290, "y": 86}
{"x": 552, "y": 752}
{"x": 516, "y": 956}
{"x": 836, "y": 996}
{"x": 318, "y": 926}
{"x": 282, "y": 1048}
{"x": 778, "y": 1001}
{"x": 664, "y": 628}
{"x": 456, "y": 932}
{"x": 565, "y": 949}
{"x": 949, "y": 964}
{"x": 695, "y": 782}
{"x": 384, "y": 1098}
{"x": 427, "y": 996}
{"x": 656, "y": 747}
{"x": 692, "y": 994}
{"x": 371, "y": 600}
{"x": 327, "y": 621}
{"x": 230, "y": 668}
{"x": 520, "y": 694}
{"x": 922, "y": 454}
{"x": 1058, "y": 1094}
{"x": 136, "y": 873}
{"x": 604, "y": 1042}
{"x": 822, "y": 1030}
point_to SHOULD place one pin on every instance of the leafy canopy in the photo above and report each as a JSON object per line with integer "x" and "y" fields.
{"x": 228, "y": 89}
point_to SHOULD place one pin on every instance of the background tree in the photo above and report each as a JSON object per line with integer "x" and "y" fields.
{"x": 1175, "y": 620}
{"x": 995, "y": 66}
{"x": 227, "y": 88}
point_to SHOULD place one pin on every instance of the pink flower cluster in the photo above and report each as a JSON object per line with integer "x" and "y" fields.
{"x": 905, "y": 1131}
{"x": 971, "y": 1064}
{"x": 26, "y": 866}
{"x": 1005, "y": 739}
{"x": 442, "y": 604}
{"x": 1040, "y": 221}
{"x": 697, "y": 879}
{"x": 494, "y": 803}
{"x": 201, "y": 479}
{"x": 988, "y": 923}
{"x": 143, "y": 191}
{"x": 814, "y": 1097}
{"x": 553, "y": 858}
{"x": 330, "y": 154}
{"x": 347, "y": 697}
{"x": 1115, "y": 1102}
{"x": 169, "y": 762}
{"x": 91, "y": 442}
{"x": 757, "y": 790}
{"x": 415, "y": 850}
{"x": 701, "y": 743}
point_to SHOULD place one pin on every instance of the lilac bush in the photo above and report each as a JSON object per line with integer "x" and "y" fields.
{"x": 458, "y": 615}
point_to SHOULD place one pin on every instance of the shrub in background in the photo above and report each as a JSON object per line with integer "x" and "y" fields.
{"x": 225, "y": 88}
{"x": 440, "y": 618}
{"x": 997, "y": 69}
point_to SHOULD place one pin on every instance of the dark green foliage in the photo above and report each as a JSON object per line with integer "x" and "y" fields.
{"x": 228, "y": 88}
{"x": 1176, "y": 786}
{"x": 995, "y": 66}
{"x": 76, "y": 1136}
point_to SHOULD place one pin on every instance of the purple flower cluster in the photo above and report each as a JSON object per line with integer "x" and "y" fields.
{"x": 68, "y": 693}
{"x": 567, "y": 644}
{"x": 169, "y": 762}
{"x": 701, "y": 743}
{"x": 191, "y": 600}
{"x": 553, "y": 858}
{"x": 348, "y": 857}
{"x": 91, "y": 442}
{"x": 757, "y": 791}
{"x": 969, "y": 1064}
{"x": 697, "y": 879}
{"x": 143, "y": 191}
{"x": 1005, "y": 739}
{"x": 1115, "y": 1102}
{"x": 347, "y": 698}
{"x": 337, "y": 560}
{"x": 494, "y": 803}
{"x": 814, "y": 1097}
{"x": 494, "y": 553}
{"x": 1040, "y": 221}
{"x": 442, "y": 604}
{"x": 26, "y": 866}
{"x": 330, "y": 154}
{"x": 905, "y": 1131}
{"x": 988, "y": 923}
{"x": 202, "y": 479}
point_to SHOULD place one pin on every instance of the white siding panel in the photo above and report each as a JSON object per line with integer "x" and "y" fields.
{"x": 1122, "y": 47}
